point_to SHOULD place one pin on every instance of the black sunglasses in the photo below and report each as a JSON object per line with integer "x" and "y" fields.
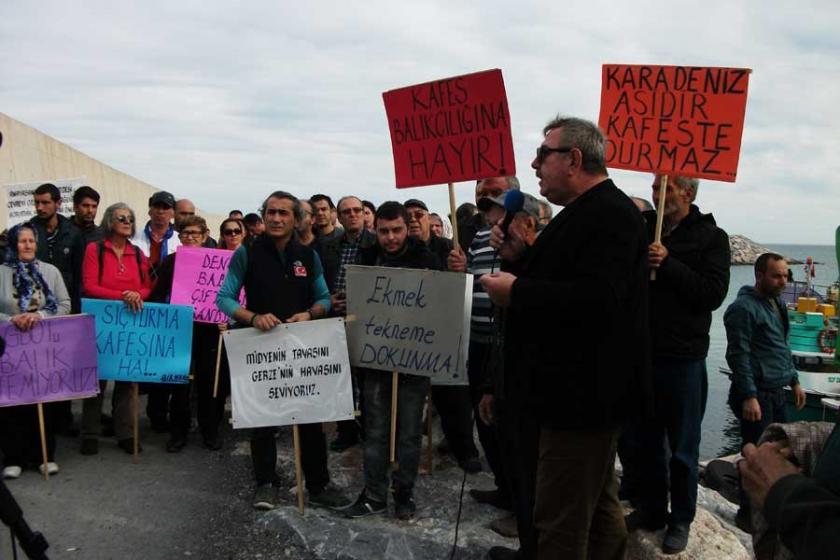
{"x": 543, "y": 152}
{"x": 236, "y": 231}
{"x": 125, "y": 219}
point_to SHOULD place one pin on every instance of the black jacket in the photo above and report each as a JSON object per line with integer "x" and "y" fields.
{"x": 576, "y": 332}
{"x": 441, "y": 247}
{"x": 66, "y": 255}
{"x": 329, "y": 249}
{"x": 415, "y": 255}
{"x": 691, "y": 283}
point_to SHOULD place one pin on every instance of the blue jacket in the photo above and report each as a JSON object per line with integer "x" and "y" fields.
{"x": 757, "y": 350}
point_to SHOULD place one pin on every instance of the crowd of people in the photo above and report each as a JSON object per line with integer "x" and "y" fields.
{"x": 576, "y": 353}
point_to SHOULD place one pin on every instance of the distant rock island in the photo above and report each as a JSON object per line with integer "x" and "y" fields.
{"x": 746, "y": 251}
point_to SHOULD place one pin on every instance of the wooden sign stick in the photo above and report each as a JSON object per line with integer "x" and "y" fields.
{"x": 394, "y": 384}
{"x": 660, "y": 215}
{"x": 43, "y": 439}
{"x": 454, "y": 219}
{"x": 218, "y": 363}
{"x": 298, "y": 469}
{"x": 135, "y": 412}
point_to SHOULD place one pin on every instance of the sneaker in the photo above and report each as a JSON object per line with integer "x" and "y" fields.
{"x": 637, "y": 519}
{"x": 127, "y": 445}
{"x": 501, "y": 553}
{"x": 52, "y": 468}
{"x": 90, "y": 446}
{"x": 12, "y": 472}
{"x": 471, "y": 465}
{"x": 343, "y": 443}
{"x": 676, "y": 538}
{"x": 330, "y": 497}
{"x": 176, "y": 444}
{"x": 265, "y": 497}
{"x": 506, "y": 526}
{"x": 364, "y": 506}
{"x": 494, "y": 498}
{"x": 404, "y": 507}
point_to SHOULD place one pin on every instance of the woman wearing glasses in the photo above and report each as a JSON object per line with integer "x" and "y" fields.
{"x": 115, "y": 269}
{"x": 232, "y": 234}
{"x": 30, "y": 290}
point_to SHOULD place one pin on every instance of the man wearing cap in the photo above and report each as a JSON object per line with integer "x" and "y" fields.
{"x": 157, "y": 240}
{"x": 451, "y": 401}
{"x": 482, "y": 259}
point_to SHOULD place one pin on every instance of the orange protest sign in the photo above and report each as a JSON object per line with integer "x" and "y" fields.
{"x": 674, "y": 120}
{"x": 451, "y": 130}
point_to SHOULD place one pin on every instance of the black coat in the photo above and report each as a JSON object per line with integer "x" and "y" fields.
{"x": 576, "y": 333}
{"x": 415, "y": 255}
{"x": 690, "y": 284}
{"x": 67, "y": 255}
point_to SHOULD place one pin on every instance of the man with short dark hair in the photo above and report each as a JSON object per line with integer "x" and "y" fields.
{"x": 394, "y": 248}
{"x": 235, "y": 214}
{"x": 322, "y": 208}
{"x": 451, "y": 401}
{"x": 336, "y": 254}
{"x": 758, "y": 354}
{"x": 60, "y": 244}
{"x": 254, "y": 224}
{"x": 580, "y": 363}
{"x": 284, "y": 283}
{"x": 692, "y": 278}
{"x": 85, "y": 206}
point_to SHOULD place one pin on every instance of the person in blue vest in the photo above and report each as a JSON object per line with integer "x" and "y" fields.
{"x": 284, "y": 283}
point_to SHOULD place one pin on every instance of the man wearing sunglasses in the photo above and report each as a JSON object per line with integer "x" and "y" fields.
{"x": 336, "y": 253}
{"x": 284, "y": 283}
{"x": 576, "y": 339}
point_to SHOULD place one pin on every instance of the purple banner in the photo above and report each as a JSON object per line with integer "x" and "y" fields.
{"x": 54, "y": 361}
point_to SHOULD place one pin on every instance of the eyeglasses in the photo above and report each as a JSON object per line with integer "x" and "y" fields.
{"x": 417, "y": 215}
{"x": 348, "y": 211}
{"x": 125, "y": 219}
{"x": 543, "y": 151}
{"x": 236, "y": 231}
{"x": 191, "y": 233}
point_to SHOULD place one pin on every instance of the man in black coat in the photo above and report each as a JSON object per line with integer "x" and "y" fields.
{"x": 576, "y": 338}
{"x": 692, "y": 278}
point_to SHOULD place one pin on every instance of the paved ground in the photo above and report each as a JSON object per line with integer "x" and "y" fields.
{"x": 196, "y": 504}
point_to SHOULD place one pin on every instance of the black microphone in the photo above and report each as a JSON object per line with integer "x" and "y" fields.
{"x": 514, "y": 201}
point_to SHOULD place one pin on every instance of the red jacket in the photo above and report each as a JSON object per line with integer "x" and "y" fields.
{"x": 118, "y": 275}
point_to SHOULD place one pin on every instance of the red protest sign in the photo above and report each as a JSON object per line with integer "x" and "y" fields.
{"x": 456, "y": 129}
{"x": 674, "y": 120}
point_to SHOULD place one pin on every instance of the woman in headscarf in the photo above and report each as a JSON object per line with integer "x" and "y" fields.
{"x": 115, "y": 269}
{"x": 30, "y": 290}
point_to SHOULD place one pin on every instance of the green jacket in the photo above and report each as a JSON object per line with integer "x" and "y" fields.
{"x": 757, "y": 350}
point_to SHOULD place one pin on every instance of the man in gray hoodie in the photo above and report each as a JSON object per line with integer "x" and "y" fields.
{"x": 758, "y": 354}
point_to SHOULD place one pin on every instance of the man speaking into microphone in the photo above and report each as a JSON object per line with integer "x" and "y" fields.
{"x": 576, "y": 339}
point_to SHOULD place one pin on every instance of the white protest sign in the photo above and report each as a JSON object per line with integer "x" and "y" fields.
{"x": 411, "y": 321}
{"x": 296, "y": 373}
{"x": 20, "y": 206}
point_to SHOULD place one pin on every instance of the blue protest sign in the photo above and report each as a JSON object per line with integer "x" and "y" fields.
{"x": 151, "y": 346}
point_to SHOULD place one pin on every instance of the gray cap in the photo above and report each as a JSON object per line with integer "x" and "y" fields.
{"x": 530, "y": 206}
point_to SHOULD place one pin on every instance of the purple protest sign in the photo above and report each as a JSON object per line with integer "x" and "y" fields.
{"x": 56, "y": 360}
{"x": 199, "y": 275}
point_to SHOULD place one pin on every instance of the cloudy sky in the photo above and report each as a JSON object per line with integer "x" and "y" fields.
{"x": 223, "y": 103}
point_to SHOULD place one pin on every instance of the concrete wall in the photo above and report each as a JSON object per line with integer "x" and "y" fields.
{"x": 28, "y": 155}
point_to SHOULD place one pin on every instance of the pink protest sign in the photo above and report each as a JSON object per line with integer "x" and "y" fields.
{"x": 199, "y": 275}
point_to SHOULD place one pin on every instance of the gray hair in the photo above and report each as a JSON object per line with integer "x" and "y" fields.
{"x": 512, "y": 182}
{"x": 586, "y": 137}
{"x": 688, "y": 183}
{"x": 348, "y": 197}
{"x": 296, "y": 209}
{"x": 108, "y": 218}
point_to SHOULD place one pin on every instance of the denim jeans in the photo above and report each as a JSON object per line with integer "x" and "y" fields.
{"x": 411, "y": 394}
{"x": 680, "y": 391}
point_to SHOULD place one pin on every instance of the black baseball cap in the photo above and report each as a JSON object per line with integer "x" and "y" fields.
{"x": 162, "y": 198}
{"x": 416, "y": 203}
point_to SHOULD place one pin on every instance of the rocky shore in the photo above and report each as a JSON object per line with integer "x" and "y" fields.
{"x": 745, "y": 251}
